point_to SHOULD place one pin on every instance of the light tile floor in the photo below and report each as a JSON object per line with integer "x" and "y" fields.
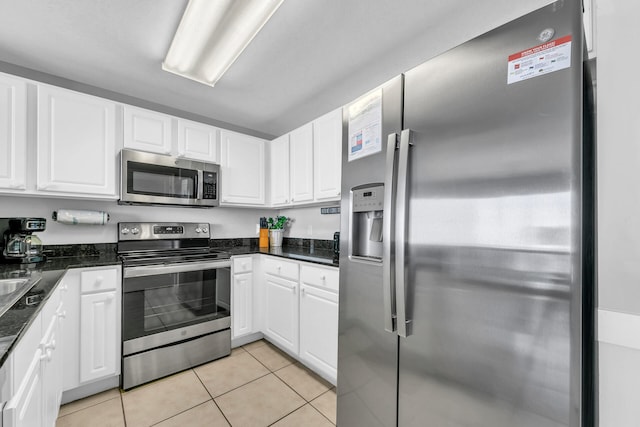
{"x": 257, "y": 385}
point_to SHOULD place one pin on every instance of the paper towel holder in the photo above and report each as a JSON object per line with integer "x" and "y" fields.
{"x": 80, "y": 217}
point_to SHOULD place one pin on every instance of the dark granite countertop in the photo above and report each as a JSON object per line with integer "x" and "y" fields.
{"x": 317, "y": 256}
{"x": 19, "y": 317}
{"x": 61, "y": 258}
{"x": 314, "y": 251}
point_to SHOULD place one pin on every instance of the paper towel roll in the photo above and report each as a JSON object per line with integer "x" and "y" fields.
{"x": 74, "y": 217}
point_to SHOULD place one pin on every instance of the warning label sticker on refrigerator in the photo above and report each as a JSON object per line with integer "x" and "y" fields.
{"x": 365, "y": 126}
{"x": 540, "y": 60}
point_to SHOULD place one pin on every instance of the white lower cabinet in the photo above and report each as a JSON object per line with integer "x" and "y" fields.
{"x": 241, "y": 315}
{"x": 92, "y": 340}
{"x": 38, "y": 366}
{"x": 300, "y": 302}
{"x": 319, "y": 329}
{"x": 25, "y": 409}
{"x": 281, "y": 312}
{"x": 242, "y": 297}
{"x": 98, "y": 336}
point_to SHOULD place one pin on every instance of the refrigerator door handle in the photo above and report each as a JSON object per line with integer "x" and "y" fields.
{"x": 404, "y": 324}
{"x": 388, "y": 270}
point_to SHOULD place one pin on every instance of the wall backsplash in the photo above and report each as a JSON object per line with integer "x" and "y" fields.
{"x": 225, "y": 222}
{"x": 308, "y": 223}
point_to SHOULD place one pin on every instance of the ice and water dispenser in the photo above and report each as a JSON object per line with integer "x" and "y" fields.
{"x": 367, "y": 204}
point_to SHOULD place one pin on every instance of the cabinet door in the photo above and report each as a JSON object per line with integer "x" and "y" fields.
{"x": 25, "y": 407}
{"x": 301, "y": 162}
{"x": 281, "y": 312}
{"x": 319, "y": 329}
{"x": 13, "y": 132}
{"x": 327, "y": 156}
{"x": 242, "y": 304}
{"x": 98, "y": 336}
{"x": 198, "y": 141}
{"x": 242, "y": 180}
{"x": 71, "y": 333}
{"x": 76, "y": 146}
{"x": 52, "y": 367}
{"x": 147, "y": 130}
{"x": 280, "y": 190}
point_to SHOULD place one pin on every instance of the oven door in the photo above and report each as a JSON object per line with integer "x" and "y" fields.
{"x": 164, "y": 304}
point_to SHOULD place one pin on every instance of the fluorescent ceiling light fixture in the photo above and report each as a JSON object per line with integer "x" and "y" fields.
{"x": 212, "y": 34}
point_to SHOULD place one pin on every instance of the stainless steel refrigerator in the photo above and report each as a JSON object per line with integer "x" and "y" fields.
{"x": 466, "y": 261}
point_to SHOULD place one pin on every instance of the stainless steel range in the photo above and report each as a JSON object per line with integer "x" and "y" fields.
{"x": 176, "y": 299}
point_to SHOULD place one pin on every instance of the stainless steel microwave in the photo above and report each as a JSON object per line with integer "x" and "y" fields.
{"x": 156, "y": 179}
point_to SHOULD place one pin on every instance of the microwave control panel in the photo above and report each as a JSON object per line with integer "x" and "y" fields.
{"x": 209, "y": 190}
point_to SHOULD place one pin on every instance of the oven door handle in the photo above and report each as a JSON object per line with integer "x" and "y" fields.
{"x": 154, "y": 270}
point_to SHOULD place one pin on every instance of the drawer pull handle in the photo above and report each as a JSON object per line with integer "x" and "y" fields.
{"x": 99, "y": 281}
{"x": 63, "y": 315}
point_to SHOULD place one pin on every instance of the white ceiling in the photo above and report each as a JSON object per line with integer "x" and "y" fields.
{"x": 310, "y": 58}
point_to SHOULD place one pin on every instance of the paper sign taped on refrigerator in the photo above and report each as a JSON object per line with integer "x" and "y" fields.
{"x": 365, "y": 126}
{"x": 540, "y": 60}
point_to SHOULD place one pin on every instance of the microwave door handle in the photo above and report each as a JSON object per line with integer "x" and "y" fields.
{"x": 199, "y": 185}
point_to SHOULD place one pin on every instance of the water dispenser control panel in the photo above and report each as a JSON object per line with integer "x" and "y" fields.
{"x": 368, "y": 199}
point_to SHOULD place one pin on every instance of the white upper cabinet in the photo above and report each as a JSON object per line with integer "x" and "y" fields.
{"x": 301, "y": 164}
{"x": 242, "y": 161}
{"x": 280, "y": 188}
{"x": 327, "y": 156}
{"x": 160, "y": 133}
{"x": 314, "y": 156}
{"x": 198, "y": 141}
{"x": 147, "y": 130}
{"x": 76, "y": 143}
{"x": 13, "y": 132}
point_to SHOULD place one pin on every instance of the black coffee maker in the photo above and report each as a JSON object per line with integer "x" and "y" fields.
{"x": 19, "y": 244}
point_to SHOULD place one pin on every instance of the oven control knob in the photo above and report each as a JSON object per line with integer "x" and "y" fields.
{"x": 205, "y": 230}
{"x": 135, "y": 230}
{"x": 198, "y": 230}
{"x": 124, "y": 231}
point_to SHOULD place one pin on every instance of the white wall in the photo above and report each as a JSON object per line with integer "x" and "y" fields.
{"x": 618, "y": 156}
{"x": 308, "y": 223}
{"x": 225, "y": 222}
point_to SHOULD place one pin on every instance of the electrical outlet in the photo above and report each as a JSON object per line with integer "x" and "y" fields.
{"x": 257, "y": 229}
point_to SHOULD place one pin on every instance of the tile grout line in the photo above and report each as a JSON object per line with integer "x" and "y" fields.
{"x": 302, "y": 397}
{"x": 322, "y": 413}
{"x": 124, "y": 415}
{"x": 82, "y": 409}
{"x": 212, "y": 398}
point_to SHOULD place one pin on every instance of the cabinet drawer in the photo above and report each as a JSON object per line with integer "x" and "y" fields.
{"x": 98, "y": 280}
{"x": 281, "y": 268}
{"x": 327, "y": 278}
{"x": 242, "y": 264}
